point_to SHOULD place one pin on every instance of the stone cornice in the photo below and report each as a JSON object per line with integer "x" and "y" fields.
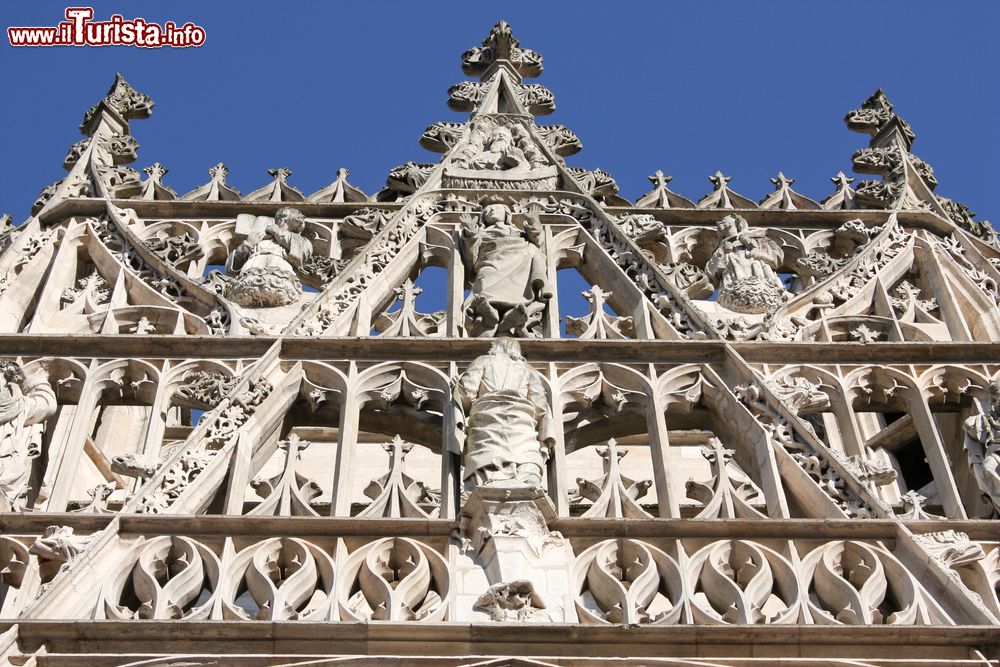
{"x": 537, "y": 350}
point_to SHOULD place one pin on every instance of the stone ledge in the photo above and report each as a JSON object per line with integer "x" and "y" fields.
{"x": 867, "y": 529}
{"x": 462, "y": 349}
{"x": 348, "y": 638}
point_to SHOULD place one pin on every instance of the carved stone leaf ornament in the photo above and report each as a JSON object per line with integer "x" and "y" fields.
{"x": 394, "y": 579}
{"x": 396, "y": 494}
{"x": 854, "y": 583}
{"x": 730, "y": 494}
{"x": 742, "y": 582}
{"x": 614, "y": 496}
{"x": 280, "y": 579}
{"x": 627, "y": 582}
{"x": 168, "y": 578}
{"x": 290, "y": 492}
{"x": 13, "y": 562}
{"x": 798, "y": 443}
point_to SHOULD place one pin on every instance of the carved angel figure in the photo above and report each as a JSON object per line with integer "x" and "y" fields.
{"x": 24, "y": 402}
{"x": 743, "y": 268}
{"x": 510, "y": 287}
{"x": 265, "y": 265}
{"x": 984, "y": 452}
{"x": 505, "y": 417}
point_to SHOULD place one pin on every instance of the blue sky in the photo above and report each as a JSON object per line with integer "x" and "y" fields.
{"x": 748, "y": 88}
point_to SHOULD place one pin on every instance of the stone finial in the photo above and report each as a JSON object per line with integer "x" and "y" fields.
{"x": 396, "y": 494}
{"x": 843, "y": 197}
{"x": 216, "y": 189}
{"x": 722, "y": 196}
{"x": 661, "y": 196}
{"x": 785, "y": 198}
{"x": 123, "y": 100}
{"x": 277, "y": 190}
{"x": 874, "y": 115}
{"x": 154, "y": 188}
{"x": 614, "y": 496}
{"x": 338, "y": 192}
{"x": 501, "y": 46}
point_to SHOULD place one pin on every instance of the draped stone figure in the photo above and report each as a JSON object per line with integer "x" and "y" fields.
{"x": 500, "y": 148}
{"x": 743, "y": 268}
{"x": 505, "y": 417}
{"x": 23, "y": 403}
{"x": 984, "y": 454}
{"x": 265, "y": 265}
{"x": 510, "y": 287}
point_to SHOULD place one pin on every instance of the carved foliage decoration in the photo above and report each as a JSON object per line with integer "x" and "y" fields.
{"x": 13, "y": 563}
{"x": 169, "y": 577}
{"x": 396, "y": 494}
{"x": 628, "y": 582}
{"x": 198, "y": 454}
{"x": 407, "y": 321}
{"x": 280, "y": 579}
{"x": 598, "y": 323}
{"x": 730, "y": 494}
{"x": 854, "y": 583}
{"x": 742, "y": 582}
{"x": 501, "y": 44}
{"x": 980, "y": 573}
{"x": 614, "y": 496}
{"x": 290, "y": 492}
{"x": 394, "y": 579}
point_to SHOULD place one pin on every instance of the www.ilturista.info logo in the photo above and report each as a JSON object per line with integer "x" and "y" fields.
{"x": 80, "y": 30}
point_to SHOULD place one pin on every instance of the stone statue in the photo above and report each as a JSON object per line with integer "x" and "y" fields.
{"x": 984, "y": 429}
{"x": 265, "y": 265}
{"x": 510, "y": 288}
{"x": 743, "y": 268}
{"x": 23, "y": 403}
{"x": 499, "y": 147}
{"x": 506, "y": 419}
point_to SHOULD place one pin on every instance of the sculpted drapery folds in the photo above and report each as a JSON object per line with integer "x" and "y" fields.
{"x": 265, "y": 265}
{"x": 505, "y": 417}
{"x": 984, "y": 455}
{"x": 510, "y": 288}
{"x": 743, "y": 268}
{"x": 498, "y": 147}
{"x": 24, "y": 402}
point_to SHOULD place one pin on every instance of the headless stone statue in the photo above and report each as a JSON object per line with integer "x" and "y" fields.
{"x": 23, "y": 403}
{"x": 984, "y": 452}
{"x": 507, "y": 424}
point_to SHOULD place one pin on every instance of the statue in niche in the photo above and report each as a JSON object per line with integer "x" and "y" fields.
{"x": 984, "y": 429}
{"x": 264, "y": 267}
{"x": 497, "y": 147}
{"x": 743, "y": 268}
{"x": 505, "y": 418}
{"x": 24, "y": 402}
{"x": 510, "y": 288}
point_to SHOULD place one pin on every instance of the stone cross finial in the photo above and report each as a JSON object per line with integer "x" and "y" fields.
{"x": 156, "y": 172}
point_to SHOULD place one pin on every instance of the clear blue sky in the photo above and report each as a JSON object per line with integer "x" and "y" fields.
{"x": 750, "y": 88}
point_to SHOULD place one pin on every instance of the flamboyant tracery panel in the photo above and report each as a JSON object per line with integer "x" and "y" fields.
{"x": 302, "y": 423}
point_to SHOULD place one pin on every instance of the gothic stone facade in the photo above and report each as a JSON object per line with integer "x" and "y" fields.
{"x": 229, "y": 435}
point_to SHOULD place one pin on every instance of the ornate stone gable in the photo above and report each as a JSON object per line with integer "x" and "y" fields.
{"x": 233, "y": 431}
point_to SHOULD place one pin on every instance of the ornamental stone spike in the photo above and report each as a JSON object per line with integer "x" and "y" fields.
{"x": 123, "y": 102}
{"x": 661, "y": 196}
{"x": 501, "y": 48}
{"x": 164, "y": 356}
